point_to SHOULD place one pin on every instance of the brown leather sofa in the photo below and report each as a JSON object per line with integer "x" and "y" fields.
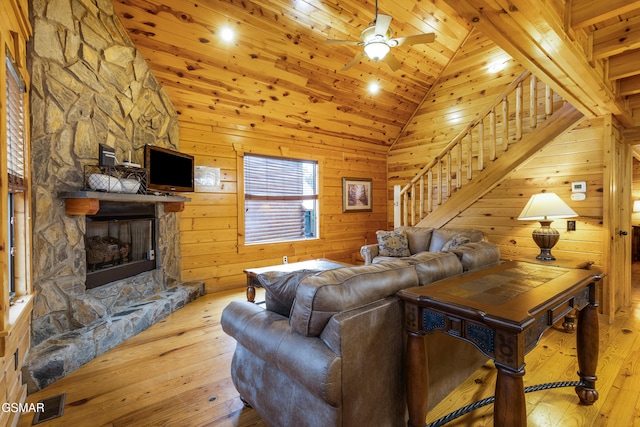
{"x": 332, "y": 352}
{"x": 471, "y": 246}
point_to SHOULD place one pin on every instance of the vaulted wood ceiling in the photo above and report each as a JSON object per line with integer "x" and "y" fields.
{"x": 279, "y": 76}
{"x": 576, "y": 46}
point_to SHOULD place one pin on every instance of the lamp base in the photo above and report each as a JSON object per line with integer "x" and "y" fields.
{"x": 546, "y": 238}
{"x": 545, "y": 255}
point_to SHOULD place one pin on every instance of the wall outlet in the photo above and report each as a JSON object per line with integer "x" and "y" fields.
{"x": 571, "y": 225}
{"x": 285, "y": 259}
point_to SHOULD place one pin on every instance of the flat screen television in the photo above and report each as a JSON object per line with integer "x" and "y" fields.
{"x": 169, "y": 170}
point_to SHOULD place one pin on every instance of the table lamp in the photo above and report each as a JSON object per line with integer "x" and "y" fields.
{"x": 545, "y": 207}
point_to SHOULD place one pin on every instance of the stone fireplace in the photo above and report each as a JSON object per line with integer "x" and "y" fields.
{"x": 90, "y": 86}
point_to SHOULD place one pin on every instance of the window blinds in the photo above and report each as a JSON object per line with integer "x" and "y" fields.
{"x": 15, "y": 129}
{"x": 275, "y": 194}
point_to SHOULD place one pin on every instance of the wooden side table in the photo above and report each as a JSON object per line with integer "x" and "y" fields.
{"x": 569, "y": 323}
{"x": 503, "y": 311}
{"x": 564, "y": 262}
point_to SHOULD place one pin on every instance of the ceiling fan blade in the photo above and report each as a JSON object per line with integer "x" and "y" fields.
{"x": 382, "y": 24}
{"x": 418, "y": 38}
{"x": 353, "y": 62}
{"x": 345, "y": 42}
{"x": 391, "y": 61}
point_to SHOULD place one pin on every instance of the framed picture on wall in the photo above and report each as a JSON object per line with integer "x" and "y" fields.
{"x": 356, "y": 195}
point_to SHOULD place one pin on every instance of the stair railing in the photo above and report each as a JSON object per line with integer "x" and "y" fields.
{"x": 484, "y": 139}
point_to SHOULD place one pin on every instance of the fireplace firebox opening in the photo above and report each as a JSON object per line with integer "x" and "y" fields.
{"x": 120, "y": 242}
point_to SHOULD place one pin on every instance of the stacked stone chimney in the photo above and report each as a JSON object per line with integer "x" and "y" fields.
{"x": 89, "y": 86}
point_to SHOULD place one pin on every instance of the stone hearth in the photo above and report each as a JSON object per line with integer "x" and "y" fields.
{"x": 66, "y": 352}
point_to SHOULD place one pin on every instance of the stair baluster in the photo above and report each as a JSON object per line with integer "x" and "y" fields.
{"x": 505, "y": 128}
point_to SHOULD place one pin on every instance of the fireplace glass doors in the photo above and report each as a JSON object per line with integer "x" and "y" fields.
{"x": 120, "y": 242}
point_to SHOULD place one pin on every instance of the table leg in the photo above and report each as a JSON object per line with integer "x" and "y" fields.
{"x": 417, "y": 376}
{"x": 251, "y": 290}
{"x": 509, "y": 408}
{"x": 588, "y": 343}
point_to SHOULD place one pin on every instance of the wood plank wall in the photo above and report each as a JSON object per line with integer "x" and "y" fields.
{"x": 463, "y": 91}
{"x": 578, "y": 156}
{"x": 209, "y": 223}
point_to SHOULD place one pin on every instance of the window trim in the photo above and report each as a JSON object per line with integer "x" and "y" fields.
{"x": 241, "y": 199}
{"x": 13, "y": 42}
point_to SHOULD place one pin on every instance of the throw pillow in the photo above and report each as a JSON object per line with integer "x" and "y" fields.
{"x": 457, "y": 240}
{"x": 419, "y": 238}
{"x": 280, "y": 289}
{"x": 392, "y": 243}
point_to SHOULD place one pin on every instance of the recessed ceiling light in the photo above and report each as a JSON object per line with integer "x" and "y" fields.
{"x": 497, "y": 66}
{"x": 373, "y": 88}
{"x": 227, "y": 34}
{"x": 454, "y": 117}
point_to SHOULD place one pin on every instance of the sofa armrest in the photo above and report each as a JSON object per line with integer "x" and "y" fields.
{"x": 475, "y": 255}
{"x": 442, "y": 235}
{"x": 371, "y": 340}
{"x": 369, "y": 252}
{"x": 268, "y": 336}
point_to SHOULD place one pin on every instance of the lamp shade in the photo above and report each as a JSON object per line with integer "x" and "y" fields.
{"x": 376, "y": 50}
{"x": 546, "y": 206}
{"x": 636, "y": 205}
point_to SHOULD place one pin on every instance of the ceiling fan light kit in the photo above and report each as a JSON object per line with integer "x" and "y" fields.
{"x": 376, "y": 50}
{"x": 377, "y": 41}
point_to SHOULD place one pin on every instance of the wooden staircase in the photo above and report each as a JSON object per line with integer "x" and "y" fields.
{"x": 484, "y": 153}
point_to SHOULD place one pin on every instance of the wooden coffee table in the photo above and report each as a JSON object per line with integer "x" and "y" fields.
{"x": 503, "y": 311}
{"x": 320, "y": 264}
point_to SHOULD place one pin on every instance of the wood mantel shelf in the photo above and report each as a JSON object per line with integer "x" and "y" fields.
{"x": 88, "y": 202}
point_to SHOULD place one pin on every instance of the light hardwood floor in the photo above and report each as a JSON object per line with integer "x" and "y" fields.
{"x": 176, "y": 373}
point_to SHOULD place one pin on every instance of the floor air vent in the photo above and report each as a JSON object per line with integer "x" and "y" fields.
{"x": 53, "y": 408}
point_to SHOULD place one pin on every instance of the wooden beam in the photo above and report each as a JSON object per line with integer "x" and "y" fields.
{"x": 534, "y": 35}
{"x": 624, "y": 65}
{"x": 561, "y": 122}
{"x": 590, "y": 12}
{"x": 82, "y": 206}
{"x": 173, "y": 207}
{"x": 632, "y": 136}
{"x": 617, "y": 38}
{"x": 630, "y": 86}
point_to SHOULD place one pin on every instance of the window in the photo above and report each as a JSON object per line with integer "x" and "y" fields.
{"x": 281, "y": 199}
{"x": 17, "y": 181}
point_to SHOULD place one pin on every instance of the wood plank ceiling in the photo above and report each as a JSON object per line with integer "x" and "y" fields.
{"x": 279, "y": 77}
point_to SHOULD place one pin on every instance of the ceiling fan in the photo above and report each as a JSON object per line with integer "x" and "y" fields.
{"x": 377, "y": 41}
